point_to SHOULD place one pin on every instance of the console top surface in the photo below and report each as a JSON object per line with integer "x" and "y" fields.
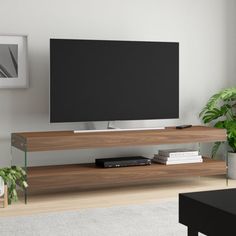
{"x": 221, "y": 199}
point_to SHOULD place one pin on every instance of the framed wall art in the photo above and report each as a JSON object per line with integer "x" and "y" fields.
{"x": 13, "y": 62}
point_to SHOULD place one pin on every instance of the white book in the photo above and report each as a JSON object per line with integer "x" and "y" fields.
{"x": 181, "y": 158}
{"x": 177, "y": 162}
{"x": 178, "y": 152}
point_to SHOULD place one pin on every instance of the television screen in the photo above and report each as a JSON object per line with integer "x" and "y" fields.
{"x": 102, "y": 80}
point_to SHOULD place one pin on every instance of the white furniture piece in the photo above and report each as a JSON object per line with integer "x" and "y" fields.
{"x": 3, "y": 192}
{"x": 232, "y": 165}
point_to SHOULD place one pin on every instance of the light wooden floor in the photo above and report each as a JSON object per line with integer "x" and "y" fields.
{"x": 114, "y": 196}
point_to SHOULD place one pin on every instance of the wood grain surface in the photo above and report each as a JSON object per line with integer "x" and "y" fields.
{"x": 62, "y": 140}
{"x": 85, "y": 176}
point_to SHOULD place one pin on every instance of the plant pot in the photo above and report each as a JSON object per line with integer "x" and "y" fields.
{"x": 1, "y": 186}
{"x": 231, "y": 165}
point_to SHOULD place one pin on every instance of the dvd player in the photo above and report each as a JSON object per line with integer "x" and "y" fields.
{"x": 122, "y": 162}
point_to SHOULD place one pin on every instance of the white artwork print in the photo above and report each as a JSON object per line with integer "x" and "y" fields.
{"x": 8, "y": 61}
{"x": 13, "y": 62}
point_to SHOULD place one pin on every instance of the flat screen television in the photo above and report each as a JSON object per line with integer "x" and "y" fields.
{"x": 105, "y": 80}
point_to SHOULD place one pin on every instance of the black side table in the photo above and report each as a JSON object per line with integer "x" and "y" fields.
{"x": 212, "y": 213}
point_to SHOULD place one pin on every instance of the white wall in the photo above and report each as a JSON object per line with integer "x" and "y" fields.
{"x": 204, "y": 28}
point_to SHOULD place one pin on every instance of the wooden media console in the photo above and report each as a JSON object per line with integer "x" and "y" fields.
{"x": 78, "y": 176}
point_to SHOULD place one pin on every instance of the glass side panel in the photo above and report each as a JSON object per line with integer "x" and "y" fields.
{"x": 19, "y": 158}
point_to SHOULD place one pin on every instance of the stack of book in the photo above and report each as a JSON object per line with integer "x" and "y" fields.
{"x": 177, "y": 156}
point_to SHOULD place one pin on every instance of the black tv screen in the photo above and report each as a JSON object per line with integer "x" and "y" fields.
{"x": 102, "y": 80}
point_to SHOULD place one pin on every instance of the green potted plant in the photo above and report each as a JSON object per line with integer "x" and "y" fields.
{"x": 13, "y": 176}
{"x": 220, "y": 112}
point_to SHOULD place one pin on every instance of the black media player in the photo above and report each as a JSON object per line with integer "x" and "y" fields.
{"x": 122, "y": 162}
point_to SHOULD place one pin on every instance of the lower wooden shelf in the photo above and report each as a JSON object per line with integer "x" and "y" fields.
{"x": 85, "y": 176}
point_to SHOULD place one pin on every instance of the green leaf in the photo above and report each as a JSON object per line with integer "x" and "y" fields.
{"x": 223, "y": 95}
{"x": 220, "y": 124}
{"x": 25, "y": 184}
{"x": 13, "y": 176}
{"x": 220, "y": 109}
